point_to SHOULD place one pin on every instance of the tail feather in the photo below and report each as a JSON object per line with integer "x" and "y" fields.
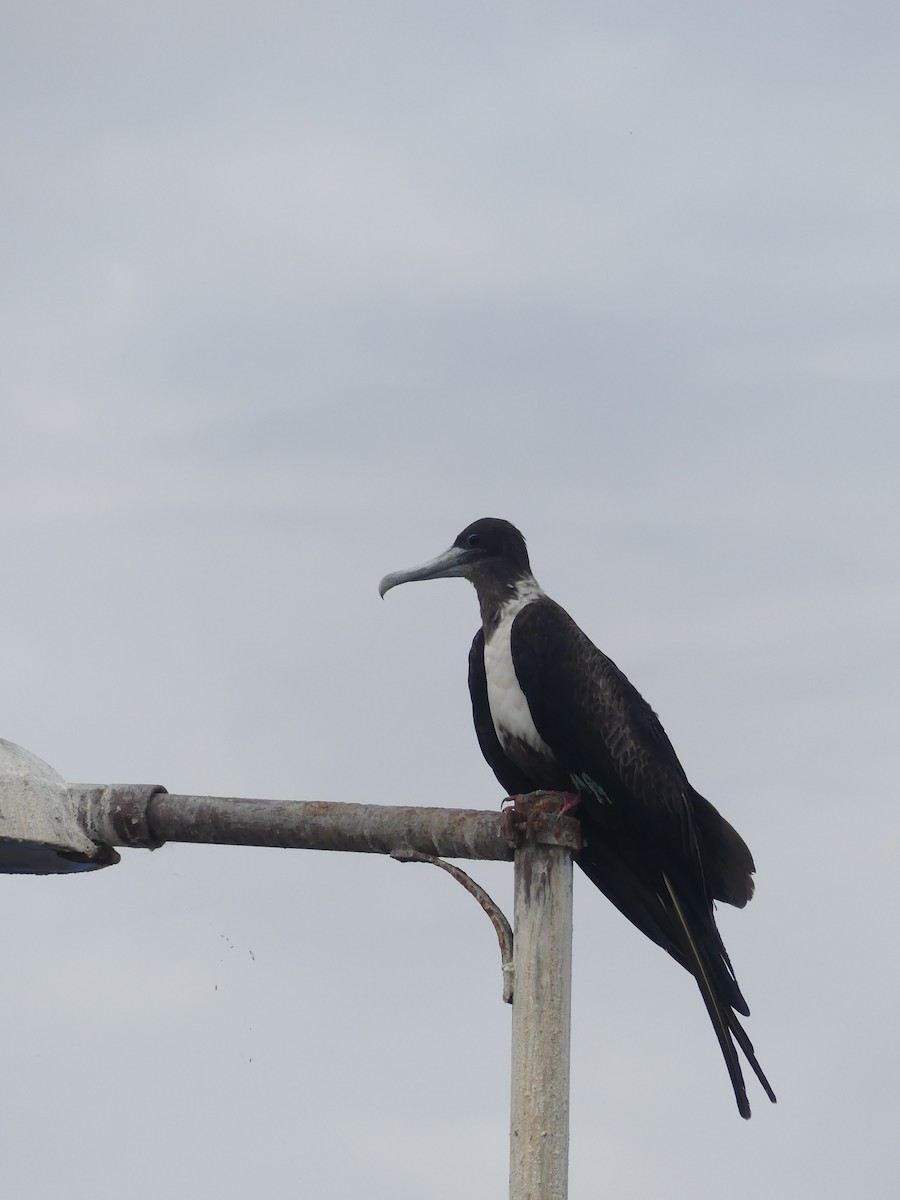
{"x": 678, "y": 917}
{"x": 720, "y": 1013}
{"x": 746, "y": 1046}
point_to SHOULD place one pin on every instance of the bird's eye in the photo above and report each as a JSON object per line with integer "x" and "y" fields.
{"x": 473, "y": 539}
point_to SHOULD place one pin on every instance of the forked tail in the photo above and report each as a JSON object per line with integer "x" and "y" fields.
{"x": 724, "y": 1021}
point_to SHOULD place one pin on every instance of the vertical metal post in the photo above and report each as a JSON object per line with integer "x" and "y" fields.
{"x": 541, "y": 1022}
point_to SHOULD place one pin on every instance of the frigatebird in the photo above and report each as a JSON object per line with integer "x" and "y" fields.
{"x": 554, "y": 713}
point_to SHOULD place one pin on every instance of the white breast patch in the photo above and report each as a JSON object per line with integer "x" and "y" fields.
{"x": 509, "y": 708}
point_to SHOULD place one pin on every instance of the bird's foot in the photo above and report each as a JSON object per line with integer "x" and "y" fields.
{"x": 546, "y": 801}
{"x": 521, "y": 811}
{"x": 570, "y": 801}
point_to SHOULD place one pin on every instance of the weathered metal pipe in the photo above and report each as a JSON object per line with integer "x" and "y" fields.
{"x": 147, "y": 816}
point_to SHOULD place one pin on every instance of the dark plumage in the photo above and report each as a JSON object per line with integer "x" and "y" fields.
{"x": 553, "y": 712}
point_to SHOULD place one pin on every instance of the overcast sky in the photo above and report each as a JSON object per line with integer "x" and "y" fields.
{"x": 290, "y": 293}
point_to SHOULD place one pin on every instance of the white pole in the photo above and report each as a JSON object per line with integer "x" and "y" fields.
{"x": 542, "y": 1004}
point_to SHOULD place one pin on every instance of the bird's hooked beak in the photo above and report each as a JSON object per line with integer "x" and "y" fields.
{"x": 451, "y": 563}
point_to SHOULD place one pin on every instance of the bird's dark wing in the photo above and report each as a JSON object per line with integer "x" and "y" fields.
{"x": 603, "y": 732}
{"x": 509, "y": 776}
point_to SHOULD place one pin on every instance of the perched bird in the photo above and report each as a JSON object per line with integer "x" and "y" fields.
{"x": 552, "y": 712}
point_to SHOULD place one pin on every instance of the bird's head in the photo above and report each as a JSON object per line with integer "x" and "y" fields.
{"x": 486, "y": 548}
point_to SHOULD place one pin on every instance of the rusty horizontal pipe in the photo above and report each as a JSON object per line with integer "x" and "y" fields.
{"x": 148, "y": 816}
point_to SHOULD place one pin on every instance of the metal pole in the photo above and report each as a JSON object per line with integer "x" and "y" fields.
{"x": 541, "y": 1022}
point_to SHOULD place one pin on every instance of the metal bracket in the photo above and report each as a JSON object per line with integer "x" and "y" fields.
{"x": 502, "y": 927}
